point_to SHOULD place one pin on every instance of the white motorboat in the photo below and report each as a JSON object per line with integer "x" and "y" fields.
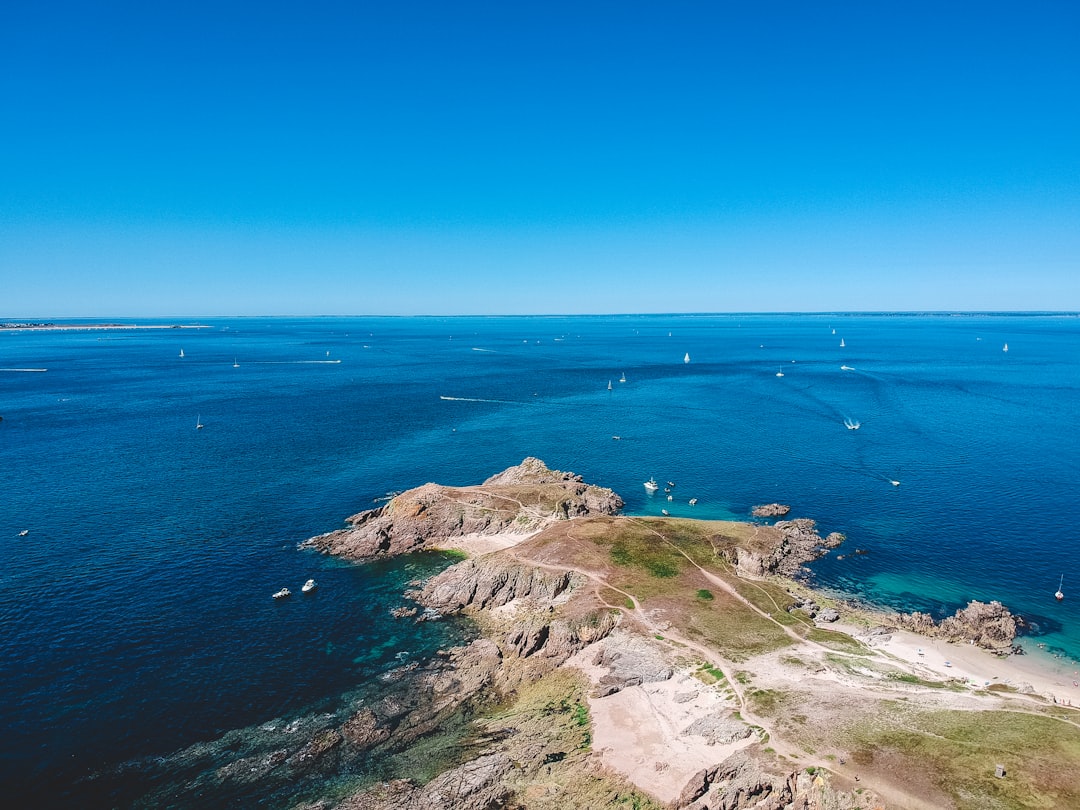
{"x": 651, "y": 485}
{"x": 309, "y": 586}
{"x": 284, "y": 593}
{"x": 623, "y": 377}
{"x": 851, "y": 424}
{"x": 1059, "y": 595}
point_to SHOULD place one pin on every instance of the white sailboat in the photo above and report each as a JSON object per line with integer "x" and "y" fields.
{"x": 1059, "y": 595}
{"x": 235, "y": 364}
{"x": 1005, "y": 348}
{"x": 181, "y": 352}
{"x": 686, "y": 358}
{"x": 842, "y": 344}
{"x": 780, "y": 374}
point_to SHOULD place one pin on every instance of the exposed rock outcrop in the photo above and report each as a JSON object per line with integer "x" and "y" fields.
{"x": 743, "y": 781}
{"x": 990, "y": 625}
{"x": 770, "y": 510}
{"x": 784, "y": 548}
{"x": 521, "y": 499}
{"x": 533, "y": 630}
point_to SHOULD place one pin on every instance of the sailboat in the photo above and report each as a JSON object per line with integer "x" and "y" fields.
{"x": 780, "y": 373}
{"x": 842, "y": 344}
{"x": 1059, "y": 595}
{"x": 1005, "y": 348}
{"x": 235, "y": 364}
{"x": 198, "y": 422}
{"x": 181, "y": 352}
{"x": 686, "y": 358}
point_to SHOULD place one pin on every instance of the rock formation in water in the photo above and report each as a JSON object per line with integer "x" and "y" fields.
{"x": 770, "y": 510}
{"x": 521, "y": 500}
{"x": 990, "y": 625}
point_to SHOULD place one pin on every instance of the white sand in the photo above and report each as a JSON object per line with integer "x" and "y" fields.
{"x": 638, "y": 731}
{"x": 476, "y": 545}
{"x": 980, "y": 668}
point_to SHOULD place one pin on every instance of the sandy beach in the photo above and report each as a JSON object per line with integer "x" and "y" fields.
{"x": 1038, "y": 673}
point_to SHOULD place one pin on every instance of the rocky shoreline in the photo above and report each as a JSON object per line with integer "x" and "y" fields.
{"x": 579, "y": 693}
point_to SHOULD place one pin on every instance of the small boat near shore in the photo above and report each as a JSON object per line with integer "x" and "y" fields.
{"x": 284, "y": 593}
{"x": 309, "y": 586}
{"x": 1059, "y": 595}
{"x": 651, "y": 485}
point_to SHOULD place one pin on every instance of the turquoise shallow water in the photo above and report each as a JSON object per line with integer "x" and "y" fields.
{"x": 136, "y": 611}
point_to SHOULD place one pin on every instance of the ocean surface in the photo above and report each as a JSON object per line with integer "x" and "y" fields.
{"x": 136, "y": 619}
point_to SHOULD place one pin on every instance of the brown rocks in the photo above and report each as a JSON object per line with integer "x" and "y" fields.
{"x": 782, "y": 548}
{"x": 989, "y": 625}
{"x": 521, "y": 499}
{"x": 770, "y": 510}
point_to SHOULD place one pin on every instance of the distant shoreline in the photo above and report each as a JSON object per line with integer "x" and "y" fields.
{"x": 75, "y": 327}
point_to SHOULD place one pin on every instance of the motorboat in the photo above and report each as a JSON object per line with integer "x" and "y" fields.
{"x": 851, "y": 424}
{"x": 1059, "y": 595}
{"x": 284, "y": 593}
{"x": 309, "y": 586}
{"x": 651, "y": 485}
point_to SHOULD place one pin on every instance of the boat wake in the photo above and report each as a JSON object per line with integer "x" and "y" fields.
{"x": 497, "y": 401}
{"x": 851, "y": 424}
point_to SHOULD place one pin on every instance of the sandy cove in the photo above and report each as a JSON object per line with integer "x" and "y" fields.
{"x": 1055, "y": 680}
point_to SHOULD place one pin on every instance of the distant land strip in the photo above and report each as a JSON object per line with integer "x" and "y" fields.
{"x": 89, "y": 326}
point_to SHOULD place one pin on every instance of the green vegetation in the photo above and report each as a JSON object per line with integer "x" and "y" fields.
{"x": 765, "y": 701}
{"x": 836, "y": 641}
{"x": 958, "y": 751}
{"x": 705, "y": 593}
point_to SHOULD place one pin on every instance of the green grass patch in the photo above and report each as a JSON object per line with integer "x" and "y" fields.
{"x": 958, "y": 751}
{"x": 836, "y": 641}
{"x": 705, "y": 594}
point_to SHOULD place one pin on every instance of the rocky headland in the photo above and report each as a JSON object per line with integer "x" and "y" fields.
{"x": 654, "y": 663}
{"x": 520, "y": 500}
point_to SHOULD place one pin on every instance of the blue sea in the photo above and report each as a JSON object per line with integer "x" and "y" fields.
{"x": 135, "y": 613}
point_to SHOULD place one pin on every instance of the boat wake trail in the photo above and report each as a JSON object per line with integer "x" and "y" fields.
{"x": 497, "y": 401}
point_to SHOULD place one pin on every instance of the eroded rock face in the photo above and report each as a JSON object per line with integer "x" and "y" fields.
{"x": 492, "y": 582}
{"x": 522, "y": 499}
{"x": 770, "y": 510}
{"x": 797, "y": 543}
{"x": 990, "y": 625}
{"x": 742, "y": 782}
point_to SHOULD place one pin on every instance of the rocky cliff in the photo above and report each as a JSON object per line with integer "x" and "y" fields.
{"x": 522, "y": 499}
{"x": 781, "y": 549}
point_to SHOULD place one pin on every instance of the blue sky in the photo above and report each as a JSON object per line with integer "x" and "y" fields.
{"x": 489, "y": 158}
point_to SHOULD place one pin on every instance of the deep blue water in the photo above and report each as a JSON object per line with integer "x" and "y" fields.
{"x": 135, "y": 615}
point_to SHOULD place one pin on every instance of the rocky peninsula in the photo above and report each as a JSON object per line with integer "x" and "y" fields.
{"x": 665, "y": 663}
